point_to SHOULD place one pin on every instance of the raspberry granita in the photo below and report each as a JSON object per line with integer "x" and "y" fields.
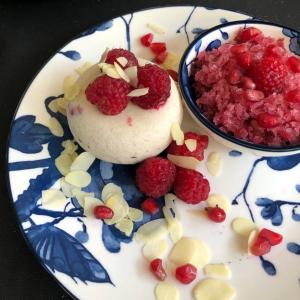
{"x": 250, "y": 88}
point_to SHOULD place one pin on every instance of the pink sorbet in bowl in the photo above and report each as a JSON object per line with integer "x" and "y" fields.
{"x": 250, "y": 88}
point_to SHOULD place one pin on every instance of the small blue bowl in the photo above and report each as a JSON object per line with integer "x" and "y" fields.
{"x": 212, "y": 39}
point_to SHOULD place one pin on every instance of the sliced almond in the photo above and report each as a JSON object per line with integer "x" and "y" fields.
{"x": 70, "y": 146}
{"x": 121, "y": 72}
{"x": 109, "y": 70}
{"x": 156, "y": 28}
{"x": 80, "y": 195}
{"x": 71, "y": 89}
{"x": 131, "y": 73}
{"x": 66, "y": 187}
{"x": 69, "y": 81}
{"x": 166, "y": 291}
{"x": 122, "y": 61}
{"x": 220, "y": 201}
{"x": 125, "y": 226}
{"x": 109, "y": 190}
{"x": 177, "y": 134}
{"x": 82, "y": 162}
{"x": 214, "y": 164}
{"x": 138, "y": 92}
{"x": 187, "y": 162}
{"x": 104, "y": 55}
{"x": 155, "y": 249}
{"x": 251, "y": 239}
{"x": 243, "y": 226}
{"x": 119, "y": 206}
{"x": 53, "y": 199}
{"x": 176, "y": 232}
{"x": 53, "y": 106}
{"x": 63, "y": 163}
{"x": 170, "y": 203}
{"x": 55, "y": 127}
{"x": 78, "y": 178}
{"x": 220, "y": 271}
{"x": 135, "y": 215}
{"x": 62, "y": 104}
{"x": 83, "y": 68}
{"x": 89, "y": 205}
{"x": 191, "y": 144}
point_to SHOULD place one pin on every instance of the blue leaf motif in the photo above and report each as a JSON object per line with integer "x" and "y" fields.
{"x": 197, "y": 47}
{"x": 282, "y": 163}
{"x": 295, "y": 216}
{"x": 72, "y": 54}
{"x": 271, "y": 210}
{"x": 268, "y": 267}
{"x": 62, "y": 252}
{"x": 213, "y": 45}
{"x": 28, "y": 136}
{"x": 295, "y": 45}
{"x": 294, "y": 248}
{"x": 234, "y": 153}
{"x": 289, "y": 33}
{"x": 298, "y": 188}
{"x": 264, "y": 201}
{"x": 101, "y": 27}
{"x": 224, "y": 34}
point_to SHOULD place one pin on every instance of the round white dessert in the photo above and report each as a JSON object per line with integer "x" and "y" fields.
{"x": 129, "y": 137}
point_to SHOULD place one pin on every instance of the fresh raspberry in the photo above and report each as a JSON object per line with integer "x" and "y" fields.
{"x": 108, "y": 94}
{"x": 147, "y": 39}
{"x": 190, "y": 186}
{"x": 202, "y": 142}
{"x": 244, "y": 59}
{"x": 274, "y": 238}
{"x": 269, "y": 74}
{"x": 113, "y": 54}
{"x": 247, "y": 34}
{"x": 159, "y": 84}
{"x": 294, "y": 64}
{"x": 158, "y": 48}
{"x": 266, "y": 120}
{"x": 293, "y": 96}
{"x": 155, "y": 176}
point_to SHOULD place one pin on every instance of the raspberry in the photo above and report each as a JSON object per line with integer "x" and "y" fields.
{"x": 158, "y": 48}
{"x": 109, "y": 94}
{"x": 293, "y": 96}
{"x": 160, "y": 58}
{"x": 247, "y": 34}
{"x": 244, "y": 59}
{"x": 190, "y": 186}
{"x": 159, "y": 84}
{"x": 113, "y": 54}
{"x": 157, "y": 269}
{"x": 147, "y": 39}
{"x": 216, "y": 214}
{"x": 269, "y": 74}
{"x": 260, "y": 247}
{"x": 150, "y": 206}
{"x": 266, "y": 120}
{"x": 202, "y": 142}
{"x": 294, "y": 64}
{"x": 186, "y": 273}
{"x": 274, "y": 238}
{"x": 238, "y": 48}
{"x": 155, "y": 176}
{"x": 103, "y": 212}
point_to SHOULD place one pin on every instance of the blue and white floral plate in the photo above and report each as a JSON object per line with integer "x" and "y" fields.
{"x": 92, "y": 260}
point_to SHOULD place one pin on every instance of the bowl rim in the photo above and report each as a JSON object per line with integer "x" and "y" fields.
{"x": 193, "y": 107}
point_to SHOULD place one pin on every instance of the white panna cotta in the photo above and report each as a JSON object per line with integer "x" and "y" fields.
{"x": 129, "y": 137}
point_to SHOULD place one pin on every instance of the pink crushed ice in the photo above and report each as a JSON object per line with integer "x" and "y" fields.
{"x": 250, "y": 88}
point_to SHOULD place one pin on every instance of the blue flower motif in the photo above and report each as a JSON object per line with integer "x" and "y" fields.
{"x": 294, "y": 248}
{"x": 271, "y": 210}
{"x": 213, "y": 45}
{"x": 72, "y": 54}
{"x": 294, "y": 40}
{"x": 100, "y": 27}
{"x": 234, "y": 153}
{"x": 282, "y": 163}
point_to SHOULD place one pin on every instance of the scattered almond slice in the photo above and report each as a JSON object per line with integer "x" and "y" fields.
{"x": 89, "y": 204}
{"x": 155, "y": 249}
{"x": 78, "y": 178}
{"x": 63, "y": 163}
{"x": 53, "y": 106}
{"x": 176, "y": 232}
{"x": 69, "y": 81}
{"x": 71, "y": 89}
{"x": 109, "y": 70}
{"x": 169, "y": 215}
{"x": 220, "y": 200}
{"x": 82, "y": 162}
{"x": 131, "y": 73}
{"x": 243, "y": 226}
{"x": 135, "y": 215}
{"x": 66, "y": 187}
{"x": 251, "y": 239}
{"x": 55, "y": 127}
{"x": 177, "y": 134}
{"x": 104, "y": 55}
{"x": 191, "y": 144}
{"x": 119, "y": 206}
{"x": 187, "y": 162}
{"x": 166, "y": 291}
{"x": 121, "y": 72}
{"x": 122, "y": 61}
{"x": 151, "y": 231}
{"x": 213, "y": 289}
{"x": 53, "y": 199}
{"x": 156, "y": 28}
{"x": 83, "y": 68}
{"x": 62, "y": 104}
{"x": 70, "y": 146}
{"x": 220, "y": 271}
{"x": 80, "y": 195}
{"x": 138, "y": 92}
{"x": 109, "y": 190}
{"x": 214, "y": 164}
{"x": 170, "y": 203}
{"x": 126, "y": 226}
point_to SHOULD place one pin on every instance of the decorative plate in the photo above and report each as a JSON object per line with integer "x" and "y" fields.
{"x": 92, "y": 260}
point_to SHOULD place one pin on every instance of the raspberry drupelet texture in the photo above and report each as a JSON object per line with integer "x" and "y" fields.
{"x": 190, "y": 186}
{"x": 159, "y": 84}
{"x": 202, "y": 142}
{"x": 108, "y": 94}
{"x": 113, "y": 54}
{"x": 155, "y": 176}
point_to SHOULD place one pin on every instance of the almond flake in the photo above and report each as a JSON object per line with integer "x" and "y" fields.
{"x": 104, "y": 55}
{"x": 66, "y": 188}
{"x": 53, "y": 199}
{"x": 70, "y": 146}
{"x": 243, "y": 226}
{"x": 220, "y": 200}
{"x": 138, "y": 92}
{"x": 177, "y": 134}
{"x": 89, "y": 205}
{"x": 156, "y": 28}
{"x": 119, "y": 206}
{"x": 109, "y": 70}
{"x": 125, "y": 226}
{"x": 176, "y": 232}
{"x": 121, "y": 72}
{"x": 170, "y": 203}
{"x": 155, "y": 249}
{"x": 63, "y": 163}
{"x": 221, "y": 271}
{"x": 55, "y": 127}
{"x": 191, "y": 144}
{"x": 166, "y": 291}
{"x": 69, "y": 81}
{"x": 214, "y": 164}
{"x": 83, "y": 68}
{"x": 122, "y": 61}
{"x": 251, "y": 239}
{"x": 109, "y": 190}
{"x": 71, "y": 90}
{"x": 82, "y": 162}
{"x": 80, "y": 195}
{"x": 78, "y": 178}
{"x": 131, "y": 72}
{"x": 135, "y": 215}
{"x": 53, "y": 106}
{"x": 187, "y": 162}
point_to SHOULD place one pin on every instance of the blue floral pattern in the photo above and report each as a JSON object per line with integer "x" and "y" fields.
{"x": 294, "y": 40}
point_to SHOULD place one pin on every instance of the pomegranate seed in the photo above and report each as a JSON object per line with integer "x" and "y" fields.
{"x": 273, "y": 238}
{"x": 157, "y": 269}
{"x": 253, "y": 95}
{"x": 173, "y": 74}
{"x": 267, "y": 120}
{"x": 247, "y": 34}
{"x": 161, "y": 57}
{"x": 103, "y": 212}
{"x": 158, "y": 48}
{"x": 248, "y": 83}
{"x": 293, "y": 96}
{"x": 150, "y": 206}
{"x": 260, "y": 247}
{"x": 234, "y": 77}
{"x": 294, "y": 64}
{"x": 244, "y": 59}
{"x": 216, "y": 214}
{"x": 238, "y": 48}
{"x": 275, "y": 50}
{"x": 147, "y": 39}
{"x": 186, "y": 273}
